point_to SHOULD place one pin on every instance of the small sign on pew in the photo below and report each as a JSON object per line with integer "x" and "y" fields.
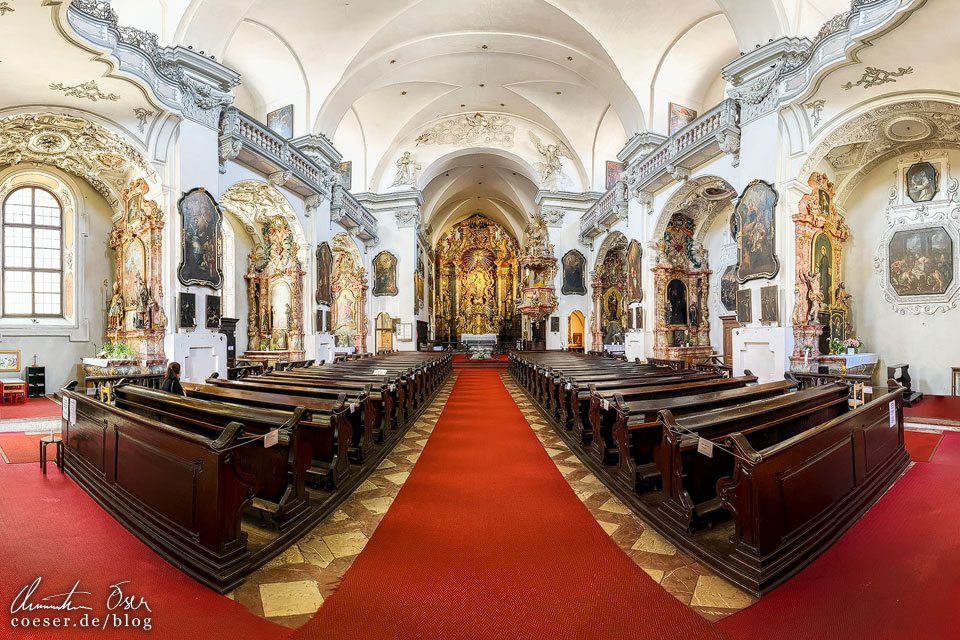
{"x": 66, "y": 408}
{"x": 893, "y": 413}
{"x": 353, "y": 407}
{"x": 73, "y": 411}
{"x": 605, "y": 404}
{"x": 379, "y": 372}
{"x": 272, "y": 438}
{"x": 705, "y": 447}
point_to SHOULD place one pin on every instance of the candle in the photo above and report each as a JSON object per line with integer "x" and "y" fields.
{"x": 806, "y": 356}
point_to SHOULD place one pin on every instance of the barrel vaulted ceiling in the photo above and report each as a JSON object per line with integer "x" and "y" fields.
{"x": 374, "y": 74}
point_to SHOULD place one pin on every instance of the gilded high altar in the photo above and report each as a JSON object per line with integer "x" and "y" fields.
{"x": 477, "y": 278}
{"x": 821, "y": 301}
{"x": 275, "y": 291}
{"x": 681, "y": 282}
{"x": 135, "y": 316}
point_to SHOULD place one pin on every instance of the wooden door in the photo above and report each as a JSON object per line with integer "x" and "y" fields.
{"x": 729, "y": 324}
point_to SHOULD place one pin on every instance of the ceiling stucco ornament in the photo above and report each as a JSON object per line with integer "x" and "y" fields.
{"x": 407, "y": 217}
{"x": 552, "y": 177}
{"x": 553, "y": 216}
{"x": 85, "y": 90}
{"x": 858, "y": 145}
{"x": 874, "y": 77}
{"x": 279, "y": 177}
{"x": 477, "y": 130}
{"x": 256, "y": 203}
{"x": 75, "y": 145}
{"x": 816, "y": 110}
{"x": 5, "y": 8}
{"x": 701, "y": 199}
{"x": 142, "y": 115}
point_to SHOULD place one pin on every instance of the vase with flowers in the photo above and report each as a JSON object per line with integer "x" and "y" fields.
{"x": 852, "y": 345}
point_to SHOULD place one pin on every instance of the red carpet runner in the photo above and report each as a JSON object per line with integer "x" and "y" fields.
{"x": 30, "y": 408}
{"x": 895, "y": 575}
{"x": 947, "y": 407}
{"x": 50, "y": 528}
{"x": 487, "y": 540}
{"x": 920, "y": 444}
{"x": 23, "y": 448}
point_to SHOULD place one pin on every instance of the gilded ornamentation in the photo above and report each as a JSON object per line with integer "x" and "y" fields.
{"x": 275, "y": 288}
{"x": 477, "y": 278}
{"x": 87, "y": 90}
{"x": 538, "y": 268}
{"x": 135, "y": 315}
{"x": 478, "y": 130}
{"x": 349, "y": 295}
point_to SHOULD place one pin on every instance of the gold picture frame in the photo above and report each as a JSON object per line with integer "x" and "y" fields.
{"x": 10, "y": 361}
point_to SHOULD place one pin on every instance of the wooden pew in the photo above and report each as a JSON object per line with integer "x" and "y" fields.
{"x": 324, "y": 454}
{"x": 689, "y": 478}
{"x": 791, "y": 499}
{"x": 181, "y": 491}
{"x": 636, "y": 430}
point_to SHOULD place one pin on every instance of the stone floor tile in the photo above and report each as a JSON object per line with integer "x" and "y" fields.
{"x": 386, "y": 464}
{"x": 713, "y": 591}
{"x": 398, "y": 478}
{"x": 347, "y": 544}
{"x": 609, "y": 527}
{"x": 378, "y": 506}
{"x": 652, "y": 542}
{"x": 290, "y": 598}
{"x": 656, "y": 574}
{"x": 615, "y": 506}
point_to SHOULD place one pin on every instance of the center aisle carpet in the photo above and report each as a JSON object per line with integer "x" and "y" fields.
{"x": 895, "y": 575}
{"x": 487, "y": 540}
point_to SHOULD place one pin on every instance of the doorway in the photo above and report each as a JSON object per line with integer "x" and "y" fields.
{"x": 729, "y": 324}
{"x": 575, "y": 331}
{"x": 384, "y": 333}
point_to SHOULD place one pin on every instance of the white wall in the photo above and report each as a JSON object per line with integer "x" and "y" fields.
{"x": 60, "y": 354}
{"x": 928, "y": 343}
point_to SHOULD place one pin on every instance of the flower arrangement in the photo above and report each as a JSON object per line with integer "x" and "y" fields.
{"x": 853, "y": 343}
{"x": 836, "y": 347}
{"x": 116, "y": 351}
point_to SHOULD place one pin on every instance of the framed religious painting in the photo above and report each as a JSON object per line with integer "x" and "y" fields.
{"x": 212, "y": 312}
{"x": 614, "y": 169}
{"x": 728, "y": 288}
{"x": 574, "y": 280}
{"x": 201, "y": 244}
{"x": 770, "y": 304}
{"x": 744, "y": 306}
{"x": 920, "y": 261}
{"x": 281, "y": 121}
{"x": 634, "y": 287}
{"x": 324, "y": 274}
{"x": 756, "y": 232}
{"x": 385, "y": 274}
{"x": 187, "y": 310}
{"x": 922, "y": 182}
{"x": 680, "y": 117}
{"x": 345, "y": 170}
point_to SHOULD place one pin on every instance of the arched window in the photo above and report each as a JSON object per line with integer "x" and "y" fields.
{"x": 32, "y": 254}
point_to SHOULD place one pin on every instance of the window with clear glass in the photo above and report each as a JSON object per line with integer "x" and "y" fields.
{"x": 32, "y": 254}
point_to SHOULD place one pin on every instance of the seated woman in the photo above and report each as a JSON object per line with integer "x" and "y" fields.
{"x": 171, "y": 381}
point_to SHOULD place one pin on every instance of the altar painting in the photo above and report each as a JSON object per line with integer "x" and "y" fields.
{"x": 324, "y": 274}
{"x": 612, "y": 316}
{"x": 385, "y": 274}
{"x": 921, "y": 261}
{"x": 133, "y": 273}
{"x": 634, "y": 285}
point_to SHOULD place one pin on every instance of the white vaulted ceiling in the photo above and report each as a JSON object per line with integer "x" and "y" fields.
{"x": 371, "y": 74}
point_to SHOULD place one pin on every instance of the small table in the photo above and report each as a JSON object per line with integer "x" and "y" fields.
{"x": 44, "y": 441}
{"x": 15, "y": 388}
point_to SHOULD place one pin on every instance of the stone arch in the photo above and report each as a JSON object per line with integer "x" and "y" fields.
{"x": 254, "y": 203}
{"x": 702, "y": 199}
{"x": 108, "y": 161}
{"x": 869, "y": 137}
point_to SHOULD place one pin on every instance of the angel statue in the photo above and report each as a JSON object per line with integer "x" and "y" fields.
{"x": 406, "y": 171}
{"x": 550, "y": 169}
{"x": 814, "y": 295}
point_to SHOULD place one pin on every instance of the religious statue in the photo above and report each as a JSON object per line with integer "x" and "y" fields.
{"x": 406, "y": 171}
{"x": 841, "y": 298}
{"x": 158, "y": 319}
{"x": 115, "y": 315}
{"x": 288, "y": 312}
{"x": 814, "y": 295}
{"x": 143, "y": 304}
{"x": 550, "y": 168}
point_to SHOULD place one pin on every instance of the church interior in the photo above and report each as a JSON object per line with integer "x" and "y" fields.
{"x": 521, "y": 319}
